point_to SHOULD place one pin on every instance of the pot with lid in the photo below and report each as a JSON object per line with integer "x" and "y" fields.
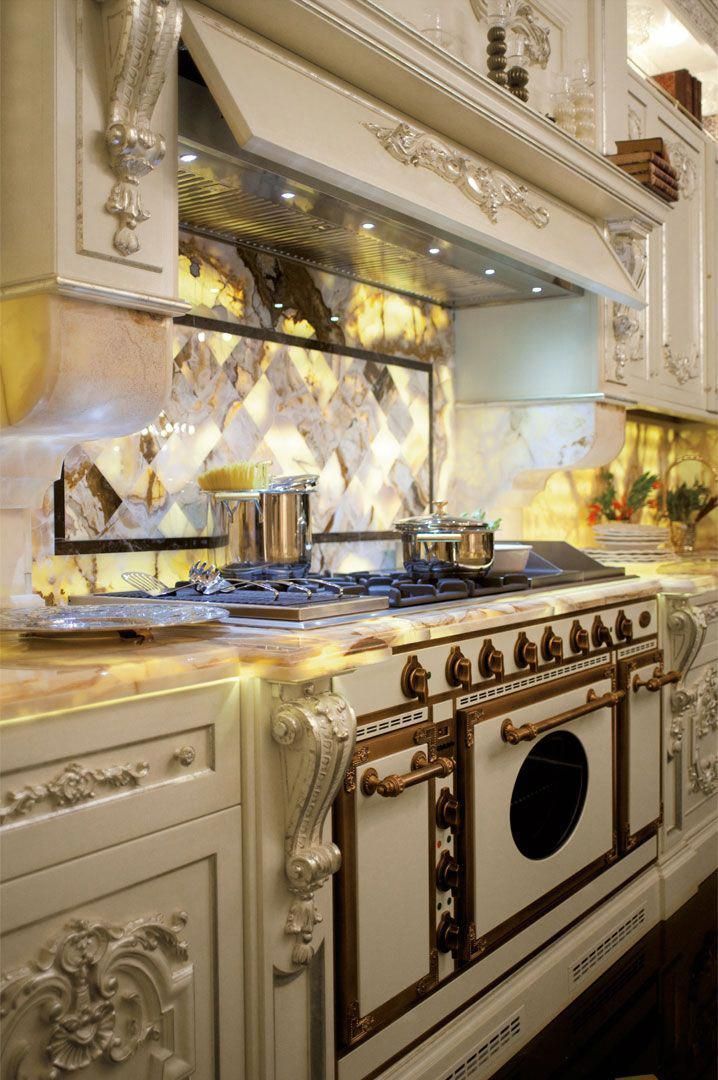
{"x": 440, "y": 542}
{"x": 273, "y": 525}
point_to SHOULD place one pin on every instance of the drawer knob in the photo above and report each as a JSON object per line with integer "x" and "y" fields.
{"x": 458, "y": 669}
{"x": 185, "y": 755}
{"x": 491, "y": 661}
{"x": 526, "y": 652}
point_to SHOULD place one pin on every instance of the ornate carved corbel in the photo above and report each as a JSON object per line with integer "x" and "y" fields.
{"x": 316, "y": 735}
{"x": 140, "y": 38}
{"x": 628, "y": 240}
{"x": 687, "y": 628}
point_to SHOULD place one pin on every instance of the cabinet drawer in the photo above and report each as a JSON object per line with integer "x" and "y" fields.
{"x": 146, "y": 939}
{"x": 79, "y": 781}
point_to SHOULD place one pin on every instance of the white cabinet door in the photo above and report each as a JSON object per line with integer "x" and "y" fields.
{"x": 712, "y": 276}
{"x": 676, "y": 340}
{"x": 127, "y": 963}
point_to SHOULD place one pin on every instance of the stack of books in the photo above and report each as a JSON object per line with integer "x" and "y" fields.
{"x": 647, "y": 161}
{"x": 684, "y": 87}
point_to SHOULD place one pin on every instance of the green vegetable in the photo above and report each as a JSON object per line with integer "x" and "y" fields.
{"x": 687, "y": 500}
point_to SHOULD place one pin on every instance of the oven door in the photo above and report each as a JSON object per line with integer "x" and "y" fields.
{"x": 385, "y": 895}
{"x": 540, "y": 803}
{"x": 639, "y": 741}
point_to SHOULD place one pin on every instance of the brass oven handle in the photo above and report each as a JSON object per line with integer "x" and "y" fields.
{"x": 658, "y": 679}
{"x": 527, "y": 732}
{"x": 421, "y": 769}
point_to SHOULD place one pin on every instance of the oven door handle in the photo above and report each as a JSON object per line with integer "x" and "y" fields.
{"x": 658, "y": 679}
{"x": 527, "y": 732}
{"x": 421, "y": 769}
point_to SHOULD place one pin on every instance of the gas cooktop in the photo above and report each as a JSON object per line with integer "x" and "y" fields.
{"x": 278, "y": 596}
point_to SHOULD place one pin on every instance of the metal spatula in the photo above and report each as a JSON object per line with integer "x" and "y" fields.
{"x": 148, "y": 584}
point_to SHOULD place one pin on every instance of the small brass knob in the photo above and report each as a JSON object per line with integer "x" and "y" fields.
{"x": 491, "y": 661}
{"x": 551, "y": 645}
{"x": 525, "y": 652}
{"x": 579, "y": 638}
{"x": 624, "y": 627}
{"x": 600, "y": 634}
{"x": 185, "y": 755}
{"x": 458, "y": 669}
{"x": 448, "y": 810}
{"x": 448, "y": 872}
{"x": 415, "y": 680}
{"x": 447, "y": 934}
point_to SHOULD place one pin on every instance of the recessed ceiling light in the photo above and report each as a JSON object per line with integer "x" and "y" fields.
{"x": 333, "y": 318}
{"x": 288, "y": 195}
{"x": 367, "y": 225}
{"x": 489, "y": 272}
{"x": 537, "y": 288}
{"x": 434, "y": 251}
{"x": 279, "y": 305}
{"x": 188, "y": 157}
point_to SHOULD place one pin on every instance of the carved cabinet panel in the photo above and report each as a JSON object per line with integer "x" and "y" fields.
{"x": 675, "y": 336}
{"x": 111, "y": 965}
{"x": 76, "y": 783}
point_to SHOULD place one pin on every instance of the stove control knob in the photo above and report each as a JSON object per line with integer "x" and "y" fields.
{"x": 448, "y": 810}
{"x": 415, "y": 680}
{"x": 447, "y": 934}
{"x": 551, "y": 645}
{"x": 526, "y": 652}
{"x": 491, "y": 661}
{"x": 579, "y": 638}
{"x": 600, "y": 634}
{"x": 448, "y": 872}
{"x": 458, "y": 669}
{"x": 624, "y": 627}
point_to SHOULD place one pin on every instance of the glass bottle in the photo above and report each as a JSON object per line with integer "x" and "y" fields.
{"x": 584, "y": 102}
{"x": 564, "y": 110}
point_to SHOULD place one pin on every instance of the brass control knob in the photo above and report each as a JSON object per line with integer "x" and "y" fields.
{"x": 415, "y": 680}
{"x": 491, "y": 661}
{"x": 447, "y": 934}
{"x": 525, "y": 652}
{"x": 458, "y": 669}
{"x": 448, "y": 872}
{"x": 600, "y": 634}
{"x": 551, "y": 645}
{"x": 448, "y": 810}
{"x": 644, "y": 620}
{"x": 579, "y": 638}
{"x": 624, "y": 627}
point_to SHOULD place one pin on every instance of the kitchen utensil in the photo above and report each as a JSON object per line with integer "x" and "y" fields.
{"x": 108, "y": 617}
{"x": 207, "y": 579}
{"x": 273, "y": 526}
{"x": 510, "y": 558}
{"x": 441, "y": 542}
{"x": 146, "y": 583}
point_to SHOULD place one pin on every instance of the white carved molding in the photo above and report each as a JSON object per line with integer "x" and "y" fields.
{"x": 687, "y": 629}
{"x": 141, "y": 37}
{"x": 701, "y": 16}
{"x": 685, "y": 166}
{"x": 703, "y": 775}
{"x": 316, "y": 736}
{"x": 97, "y": 993}
{"x": 521, "y": 20}
{"x": 491, "y": 191}
{"x": 629, "y": 241}
{"x": 684, "y": 367}
{"x": 75, "y": 784}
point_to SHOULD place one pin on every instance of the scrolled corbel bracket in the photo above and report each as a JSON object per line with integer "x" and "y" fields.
{"x": 141, "y": 38}
{"x": 687, "y": 628}
{"x": 629, "y": 242}
{"x": 316, "y": 738}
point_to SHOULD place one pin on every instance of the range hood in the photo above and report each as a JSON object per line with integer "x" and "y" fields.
{"x": 289, "y": 159}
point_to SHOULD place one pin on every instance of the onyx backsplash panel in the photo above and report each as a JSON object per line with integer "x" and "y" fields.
{"x": 359, "y": 418}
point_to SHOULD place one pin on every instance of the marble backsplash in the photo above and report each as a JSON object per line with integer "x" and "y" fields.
{"x": 360, "y": 420}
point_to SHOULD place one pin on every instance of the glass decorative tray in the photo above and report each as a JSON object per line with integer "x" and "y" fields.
{"x": 109, "y": 617}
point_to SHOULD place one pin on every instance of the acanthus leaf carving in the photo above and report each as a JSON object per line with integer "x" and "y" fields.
{"x": 682, "y": 368}
{"x": 628, "y": 240}
{"x": 316, "y": 736}
{"x": 96, "y": 993}
{"x": 141, "y": 37}
{"x": 491, "y": 191}
{"x": 686, "y": 625}
{"x": 75, "y": 784}
{"x": 685, "y": 166}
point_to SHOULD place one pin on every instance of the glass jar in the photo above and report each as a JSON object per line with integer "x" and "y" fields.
{"x": 584, "y": 103}
{"x": 564, "y": 110}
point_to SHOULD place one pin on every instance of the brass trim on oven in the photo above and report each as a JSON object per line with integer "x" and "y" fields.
{"x": 527, "y": 732}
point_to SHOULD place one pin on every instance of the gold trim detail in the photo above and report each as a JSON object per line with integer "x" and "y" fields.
{"x": 425, "y": 985}
{"x": 358, "y": 1026}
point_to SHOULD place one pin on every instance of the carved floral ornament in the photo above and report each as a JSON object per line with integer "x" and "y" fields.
{"x": 683, "y": 367}
{"x": 141, "y": 37}
{"x": 316, "y": 736}
{"x": 98, "y": 993}
{"x": 491, "y": 191}
{"x": 74, "y": 784}
{"x": 628, "y": 241}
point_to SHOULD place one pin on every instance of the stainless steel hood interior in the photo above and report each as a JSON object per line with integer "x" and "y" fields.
{"x": 225, "y": 192}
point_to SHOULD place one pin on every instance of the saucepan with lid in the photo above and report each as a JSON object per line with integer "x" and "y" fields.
{"x": 440, "y": 542}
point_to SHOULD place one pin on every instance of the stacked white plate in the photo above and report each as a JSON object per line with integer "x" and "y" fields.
{"x": 624, "y": 541}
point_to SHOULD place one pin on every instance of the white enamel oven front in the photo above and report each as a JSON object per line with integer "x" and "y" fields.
{"x": 540, "y": 788}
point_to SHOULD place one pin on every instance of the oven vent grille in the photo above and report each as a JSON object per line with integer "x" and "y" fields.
{"x": 606, "y": 946}
{"x": 494, "y": 1043}
{"x": 391, "y": 723}
{"x": 531, "y": 680}
{"x": 633, "y": 650}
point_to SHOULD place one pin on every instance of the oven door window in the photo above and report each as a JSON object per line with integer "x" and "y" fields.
{"x": 549, "y": 795}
